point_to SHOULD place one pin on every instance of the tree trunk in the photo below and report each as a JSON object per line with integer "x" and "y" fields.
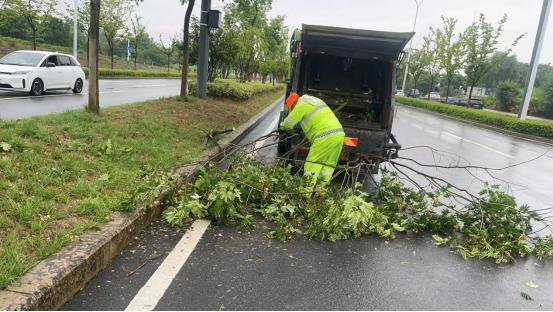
{"x": 447, "y": 91}
{"x": 186, "y": 47}
{"x": 135, "y": 55}
{"x": 168, "y": 61}
{"x": 470, "y": 95}
{"x": 431, "y": 86}
{"x": 34, "y": 39}
{"x": 94, "y": 42}
{"x": 111, "y": 49}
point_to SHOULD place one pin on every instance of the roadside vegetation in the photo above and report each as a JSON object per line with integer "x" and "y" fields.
{"x": 106, "y": 72}
{"x": 542, "y": 129}
{"x": 65, "y": 173}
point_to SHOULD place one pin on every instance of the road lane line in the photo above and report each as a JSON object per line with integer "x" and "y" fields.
{"x": 148, "y": 86}
{"x": 36, "y": 97}
{"x": 477, "y": 144}
{"x": 150, "y": 294}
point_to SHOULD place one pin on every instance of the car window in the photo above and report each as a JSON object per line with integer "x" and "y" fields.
{"x": 29, "y": 59}
{"x": 64, "y": 60}
{"x": 50, "y": 59}
{"x": 73, "y": 62}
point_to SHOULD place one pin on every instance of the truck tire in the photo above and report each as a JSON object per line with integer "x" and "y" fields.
{"x": 281, "y": 147}
{"x": 366, "y": 180}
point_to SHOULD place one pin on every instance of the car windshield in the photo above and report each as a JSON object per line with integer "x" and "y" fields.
{"x": 22, "y": 59}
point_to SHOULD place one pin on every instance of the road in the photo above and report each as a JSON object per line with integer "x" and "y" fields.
{"x": 15, "y": 105}
{"x": 228, "y": 270}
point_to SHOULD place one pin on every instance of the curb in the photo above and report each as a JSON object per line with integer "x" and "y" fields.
{"x": 53, "y": 281}
{"x": 130, "y": 77}
{"x": 492, "y": 128}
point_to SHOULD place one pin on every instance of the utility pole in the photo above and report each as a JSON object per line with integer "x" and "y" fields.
{"x": 410, "y": 48}
{"x": 75, "y": 29}
{"x": 201, "y": 91}
{"x": 538, "y": 43}
{"x": 128, "y": 52}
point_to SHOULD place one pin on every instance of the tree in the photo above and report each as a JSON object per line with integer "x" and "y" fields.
{"x": 114, "y": 16}
{"x": 35, "y": 12}
{"x": 168, "y": 49}
{"x": 507, "y": 93}
{"x": 432, "y": 60}
{"x": 418, "y": 64}
{"x": 482, "y": 41}
{"x": 546, "y": 103}
{"x": 247, "y": 19}
{"x": 450, "y": 53}
{"x": 137, "y": 31}
{"x": 94, "y": 43}
{"x": 55, "y": 32}
{"x": 13, "y": 25}
{"x": 186, "y": 47}
{"x": 506, "y": 68}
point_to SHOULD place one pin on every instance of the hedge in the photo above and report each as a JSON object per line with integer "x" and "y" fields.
{"x": 232, "y": 89}
{"x": 106, "y": 72}
{"x": 533, "y": 127}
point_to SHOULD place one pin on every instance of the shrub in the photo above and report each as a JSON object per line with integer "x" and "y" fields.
{"x": 105, "y": 72}
{"x": 490, "y": 102}
{"x": 231, "y": 89}
{"x": 546, "y": 103}
{"x": 533, "y": 127}
{"x": 507, "y": 93}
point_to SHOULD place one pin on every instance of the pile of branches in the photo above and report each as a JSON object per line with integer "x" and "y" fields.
{"x": 485, "y": 225}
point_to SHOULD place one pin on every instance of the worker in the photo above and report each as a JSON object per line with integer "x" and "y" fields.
{"x": 322, "y": 129}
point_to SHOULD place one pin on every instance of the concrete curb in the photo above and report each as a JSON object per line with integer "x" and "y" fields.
{"x": 492, "y": 128}
{"x": 53, "y": 281}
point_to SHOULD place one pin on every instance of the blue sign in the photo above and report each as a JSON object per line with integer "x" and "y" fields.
{"x": 129, "y": 48}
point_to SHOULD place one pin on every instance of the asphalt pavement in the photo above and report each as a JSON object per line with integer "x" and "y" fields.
{"x": 228, "y": 270}
{"x": 16, "y": 105}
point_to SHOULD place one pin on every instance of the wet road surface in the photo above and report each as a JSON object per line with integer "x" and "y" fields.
{"x": 228, "y": 270}
{"x": 15, "y": 105}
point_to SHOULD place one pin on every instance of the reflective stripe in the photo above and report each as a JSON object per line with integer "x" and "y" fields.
{"x": 329, "y": 132}
{"x": 312, "y": 173}
{"x": 327, "y": 172}
{"x": 311, "y": 113}
{"x": 290, "y": 121}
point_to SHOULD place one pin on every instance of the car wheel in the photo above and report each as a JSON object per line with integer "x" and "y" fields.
{"x": 37, "y": 88}
{"x": 78, "y": 86}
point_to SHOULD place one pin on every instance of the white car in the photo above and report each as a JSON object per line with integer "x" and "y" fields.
{"x": 38, "y": 71}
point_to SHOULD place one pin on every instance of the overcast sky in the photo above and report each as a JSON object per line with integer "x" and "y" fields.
{"x": 166, "y": 16}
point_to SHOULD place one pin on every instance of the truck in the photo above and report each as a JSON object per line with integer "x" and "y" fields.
{"x": 354, "y": 72}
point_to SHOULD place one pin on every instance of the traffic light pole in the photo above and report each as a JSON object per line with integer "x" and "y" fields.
{"x": 203, "y": 56}
{"x": 538, "y": 43}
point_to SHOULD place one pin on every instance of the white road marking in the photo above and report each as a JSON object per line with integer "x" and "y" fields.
{"x": 147, "y": 86}
{"x": 35, "y": 97}
{"x": 150, "y": 294}
{"x": 477, "y": 144}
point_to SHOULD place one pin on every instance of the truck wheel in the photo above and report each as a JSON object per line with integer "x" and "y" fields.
{"x": 367, "y": 180}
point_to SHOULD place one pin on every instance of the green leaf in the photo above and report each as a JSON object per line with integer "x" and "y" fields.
{"x": 5, "y": 147}
{"x": 526, "y": 296}
{"x": 104, "y": 177}
{"x": 530, "y": 284}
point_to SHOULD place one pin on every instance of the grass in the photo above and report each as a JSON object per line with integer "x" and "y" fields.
{"x": 106, "y": 72}
{"x": 65, "y": 173}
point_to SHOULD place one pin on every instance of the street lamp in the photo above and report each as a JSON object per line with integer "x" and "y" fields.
{"x": 410, "y": 47}
{"x": 75, "y": 29}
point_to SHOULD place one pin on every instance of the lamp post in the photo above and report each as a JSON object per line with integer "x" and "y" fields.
{"x": 538, "y": 43}
{"x": 410, "y": 47}
{"x": 75, "y": 29}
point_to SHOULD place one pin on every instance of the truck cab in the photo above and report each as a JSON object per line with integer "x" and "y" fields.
{"x": 354, "y": 72}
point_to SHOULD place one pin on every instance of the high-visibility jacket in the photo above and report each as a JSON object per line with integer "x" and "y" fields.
{"x": 316, "y": 119}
